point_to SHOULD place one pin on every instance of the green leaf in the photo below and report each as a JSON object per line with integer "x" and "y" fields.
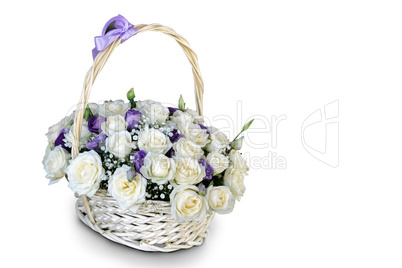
{"x": 181, "y": 105}
{"x": 69, "y": 125}
{"x": 87, "y": 114}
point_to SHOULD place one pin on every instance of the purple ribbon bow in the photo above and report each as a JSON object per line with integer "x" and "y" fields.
{"x": 116, "y": 27}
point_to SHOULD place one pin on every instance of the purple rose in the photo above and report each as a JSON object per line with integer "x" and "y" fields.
{"x": 132, "y": 118}
{"x": 176, "y": 136}
{"x": 204, "y": 127}
{"x": 209, "y": 170}
{"x": 172, "y": 110}
{"x": 97, "y": 142}
{"x": 95, "y": 122}
{"x": 60, "y": 140}
{"x": 139, "y": 159}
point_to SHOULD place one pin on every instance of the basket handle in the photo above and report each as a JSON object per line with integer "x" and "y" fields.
{"x": 99, "y": 63}
{"x": 104, "y": 55}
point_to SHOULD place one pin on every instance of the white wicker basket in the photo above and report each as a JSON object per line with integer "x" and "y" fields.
{"x": 152, "y": 228}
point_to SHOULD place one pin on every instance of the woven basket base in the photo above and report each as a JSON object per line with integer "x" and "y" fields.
{"x": 150, "y": 229}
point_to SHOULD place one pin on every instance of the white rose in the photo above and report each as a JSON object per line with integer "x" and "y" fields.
{"x": 93, "y": 107}
{"x": 188, "y": 171}
{"x": 187, "y": 117}
{"x": 220, "y": 199}
{"x": 117, "y": 107}
{"x": 190, "y": 130}
{"x": 197, "y": 118}
{"x": 152, "y": 140}
{"x": 194, "y": 133}
{"x": 234, "y": 179}
{"x": 187, "y": 148}
{"x": 55, "y": 162}
{"x": 113, "y": 124}
{"x": 238, "y": 161}
{"x": 187, "y": 205}
{"x": 85, "y": 173}
{"x": 120, "y": 144}
{"x": 129, "y": 195}
{"x": 182, "y": 119}
{"x": 158, "y": 168}
{"x": 218, "y": 161}
{"x": 219, "y": 140}
{"x": 154, "y": 111}
{"x": 84, "y": 138}
{"x": 55, "y": 130}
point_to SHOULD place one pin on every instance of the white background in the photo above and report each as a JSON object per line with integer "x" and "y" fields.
{"x": 278, "y": 58}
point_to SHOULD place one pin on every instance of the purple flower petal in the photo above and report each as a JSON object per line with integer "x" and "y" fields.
{"x": 176, "y": 136}
{"x": 97, "y": 142}
{"x": 139, "y": 159}
{"x": 204, "y": 127}
{"x": 170, "y": 153}
{"x": 132, "y": 118}
{"x": 209, "y": 170}
{"x": 131, "y": 174}
{"x": 236, "y": 144}
{"x": 202, "y": 188}
{"x": 59, "y": 141}
{"x": 95, "y": 122}
{"x": 172, "y": 110}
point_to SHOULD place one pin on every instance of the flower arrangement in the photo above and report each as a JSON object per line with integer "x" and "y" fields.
{"x": 141, "y": 150}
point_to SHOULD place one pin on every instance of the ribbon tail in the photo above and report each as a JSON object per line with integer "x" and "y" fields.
{"x": 102, "y": 42}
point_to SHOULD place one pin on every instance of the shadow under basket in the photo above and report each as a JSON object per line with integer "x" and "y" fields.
{"x": 152, "y": 228}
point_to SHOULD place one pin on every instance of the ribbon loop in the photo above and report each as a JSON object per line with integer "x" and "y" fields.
{"x": 116, "y": 27}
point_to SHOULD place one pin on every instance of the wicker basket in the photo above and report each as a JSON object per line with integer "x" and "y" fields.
{"x": 152, "y": 228}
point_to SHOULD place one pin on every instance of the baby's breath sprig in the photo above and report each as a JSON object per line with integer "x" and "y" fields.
{"x": 158, "y": 192}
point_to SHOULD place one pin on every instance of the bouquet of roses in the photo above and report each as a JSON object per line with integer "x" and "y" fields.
{"x": 142, "y": 150}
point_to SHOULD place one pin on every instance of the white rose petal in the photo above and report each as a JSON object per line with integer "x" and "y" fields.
{"x": 187, "y": 148}
{"x": 154, "y": 111}
{"x": 238, "y": 161}
{"x": 55, "y": 130}
{"x": 94, "y": 108}
{"x": 190, "y": 130}
{"x": 197, "y": 118}
{"x": 187, "y": 117}
{"x": 219, "y": 140}
{"x": 197, "y": 134}
{"x": 120, "y": 144}
{"x": 84, "y": 138}
{"x": 113, "y": 124}
{"x": 187, "y": 205}
{"x": 117, "y": 107}
{"x": 220, "y": 199}
{"x": 129, "y": 195}
{"x": 85, "y": 173}
{"x": 188, "y": 171}
{"x": 55, "y": 163}
{"x": 234, "y": 179}
{"x": 186, "y": 123}
{"x": 158, "y": 168}
{"x": 152, "y": 140}
{"x": 218, "y": 161}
